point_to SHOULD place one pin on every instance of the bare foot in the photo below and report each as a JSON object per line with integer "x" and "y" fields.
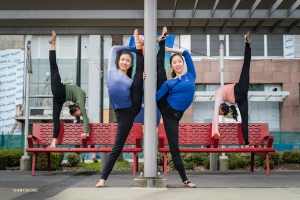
{"x": 53, "y": 143}
{"x": 86, "y": 134}
{"x": 248, "y": 40}
{"x": 138, "y": 42}
{"x": 53, "y": 38}
{"x": 163, "y": 35}
{"x": 101, "y": 183}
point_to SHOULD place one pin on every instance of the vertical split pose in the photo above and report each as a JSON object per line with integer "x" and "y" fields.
{"x": 174, "y": 96}
{"x": 125, "y": 95}
{"x": 235, "y": 93}
{"x": 62, "y": 93}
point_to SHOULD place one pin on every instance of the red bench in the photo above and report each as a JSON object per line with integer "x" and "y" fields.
{"x": 70, "y": 134}
{"x": 198, "y": 134}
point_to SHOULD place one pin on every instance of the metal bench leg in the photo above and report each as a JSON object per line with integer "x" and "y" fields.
{"x": 134, "y": 163}
{"x": 252, "y": 162}
{"x": 165, "y": 163}
{"x": 137, "y": 163}
{"x": 33, "y": 164}
{"x": 49, "y": 162}
{"x": 268, "y": 164}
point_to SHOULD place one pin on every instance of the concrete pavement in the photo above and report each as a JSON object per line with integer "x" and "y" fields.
{"x": 210, "y": 185}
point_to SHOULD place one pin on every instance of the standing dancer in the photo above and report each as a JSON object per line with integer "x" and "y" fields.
{"x": 235, "y": 93}
{"x": 62, "y": 93}
{"x": 174, "y": 96}
{"x": 125, "y": 95}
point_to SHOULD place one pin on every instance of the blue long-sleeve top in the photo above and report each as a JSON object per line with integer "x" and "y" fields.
{"x": 118, "y": 83}
{"x": 181, "y": 90}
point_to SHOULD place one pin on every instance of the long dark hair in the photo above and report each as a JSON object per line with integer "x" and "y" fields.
{"x": 230, "y": 109}
{"x": 72, "y": 109}
{"x": 173, "y": 74}
{"x": 119, "y": 54}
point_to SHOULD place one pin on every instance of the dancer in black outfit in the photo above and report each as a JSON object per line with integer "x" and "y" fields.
{"x": 126, "y": 96}
{"x": 62, "y": 93}
{"x": 235, "y": 93}
{"x": 174, "y": 96}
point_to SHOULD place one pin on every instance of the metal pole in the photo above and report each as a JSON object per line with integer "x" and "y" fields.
{"x": 78, "y": 77}
{"x": 28, "y": 62}
{"x": 222, "y": 78}
{"x": 101, "y": 79}
{"x": 222, "y": 64}
{"x": 150, "y": 20}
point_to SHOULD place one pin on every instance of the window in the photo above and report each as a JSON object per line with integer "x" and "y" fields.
{"x": 256, "y": 87}
{"x": 198, "y": 45}
{"x": 257, "y": 48}
{"x": 275, "y": 45}
{"x": 236, "y": 45}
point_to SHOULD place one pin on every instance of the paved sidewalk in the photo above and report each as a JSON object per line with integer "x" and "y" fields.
{"x": 210, "y": 185}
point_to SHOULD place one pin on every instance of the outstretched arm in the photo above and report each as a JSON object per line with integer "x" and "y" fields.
{"x": 215, "y": 122}
{"x": 81, "y": 105}
{"x": 172, "y": 50}
{"x": 113, "y": 55}
{"x": 189, "y": 63}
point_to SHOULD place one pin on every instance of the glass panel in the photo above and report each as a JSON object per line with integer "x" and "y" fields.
{"x": 44, "y": 71}
{"x": 198, "y": 45}
{"x": 35, "y": 71}
{"x": 275, "y": 45}
{"x": 67, "y": 70}
{"x": 200, "y": 87}
{"x": 256, "y": 87}
{"x": 236, "y": 45}
{"x": 257, "y": 48}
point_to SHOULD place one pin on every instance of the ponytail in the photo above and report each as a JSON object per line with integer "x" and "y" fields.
{"x": 72, "y": 109}
{"x": 234, "y": 112}
{"x": 230, "y": 110}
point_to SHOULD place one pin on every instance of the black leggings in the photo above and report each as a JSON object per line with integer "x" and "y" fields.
{"x": 58, "y": 91}
{"x": 125, "y": 117}
{"x": 241, "y": 92}
{"x": 171, "y": 117}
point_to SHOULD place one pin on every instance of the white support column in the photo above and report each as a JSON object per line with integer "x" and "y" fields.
{"x": 25, "y": 160}
{"x": 185, "y": 41}
{"x": 94, "y": 100}
{"x": 227, "y": 46}
{"x": 150, "y": 26}
{"x": 208, "y": 45}
{"x": 265, "y": 46}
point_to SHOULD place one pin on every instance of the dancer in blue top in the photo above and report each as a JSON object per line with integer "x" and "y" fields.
{"x": 174, "y": 96}
{"x": 125, "y": 95}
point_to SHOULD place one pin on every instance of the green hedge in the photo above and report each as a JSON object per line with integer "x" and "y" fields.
{"x": 41, "y": 162}
{"x": 11, "y": 158}
{"x": 73, "y": 159}
{"x": 235, "y": 160}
